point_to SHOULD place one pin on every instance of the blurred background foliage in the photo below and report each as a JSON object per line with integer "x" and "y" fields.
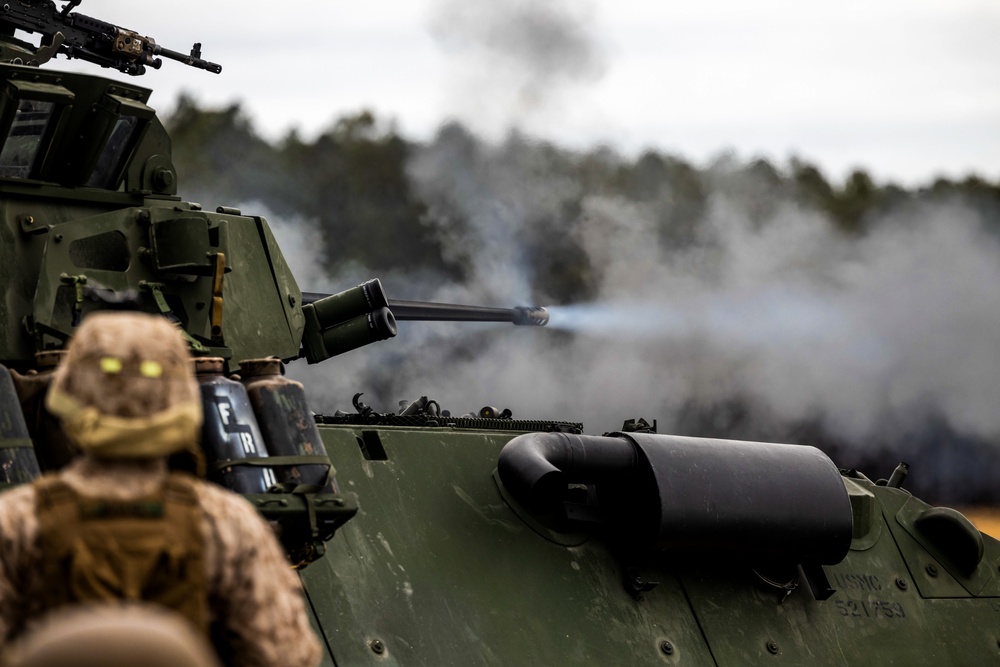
{"x": 351, "y": 181}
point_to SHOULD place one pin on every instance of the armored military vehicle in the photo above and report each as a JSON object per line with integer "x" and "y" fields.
{"x": 442, "y": 539}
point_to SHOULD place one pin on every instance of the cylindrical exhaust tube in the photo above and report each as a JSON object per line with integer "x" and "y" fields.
{"x": 536, "y": 467}
{"x": 755, "y": 498}
{"x": 368, "y": 328}
{"x": 229, "y": 431}
{"x": 692, "y": 495}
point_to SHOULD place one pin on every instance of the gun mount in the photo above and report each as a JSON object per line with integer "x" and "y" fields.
{"x": 338, "y": 323}
{"x": 480, "y": 539}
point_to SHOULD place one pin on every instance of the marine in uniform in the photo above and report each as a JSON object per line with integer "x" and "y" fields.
{"x": 121, "y": 522}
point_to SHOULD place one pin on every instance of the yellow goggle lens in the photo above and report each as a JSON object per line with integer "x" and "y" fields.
{"x": 111, "y": 365}
{"x": 151, "y": 369}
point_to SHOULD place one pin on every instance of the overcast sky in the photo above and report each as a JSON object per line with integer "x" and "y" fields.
{"x": 907, "y": 89}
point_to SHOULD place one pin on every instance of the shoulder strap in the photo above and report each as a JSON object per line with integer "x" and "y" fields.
{"x": 58, "y": 514}
{"x": 183, "y": 514}
{"x": 52, "y": 490}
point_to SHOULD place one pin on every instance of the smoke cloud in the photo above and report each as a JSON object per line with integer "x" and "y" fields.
{"x": 751, "y": 316}
{"x": 764, "y": 326}
{"x": 514, "y": 61}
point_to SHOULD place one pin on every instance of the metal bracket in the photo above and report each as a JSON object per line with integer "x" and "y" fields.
{"x": 636, "y": 584}
{"x": 156, "y": 289}
{"x": 218, "y": 271}
{"x": 46, "y": 52}
{"x": 77, "y": 282}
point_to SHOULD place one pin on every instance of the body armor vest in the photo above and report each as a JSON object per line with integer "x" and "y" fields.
{"x": 149, "y": 549}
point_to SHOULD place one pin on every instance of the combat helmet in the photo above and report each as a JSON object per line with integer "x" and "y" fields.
{"x": 112, "y": 635}
{"x": 127, "y": 390}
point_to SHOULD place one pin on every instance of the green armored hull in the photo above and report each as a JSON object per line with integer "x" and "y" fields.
{"x": 462, "y": 541}
{"x": 439, "y": 569}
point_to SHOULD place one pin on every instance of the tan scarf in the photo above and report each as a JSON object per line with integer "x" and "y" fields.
{"x": 106, "y": 436}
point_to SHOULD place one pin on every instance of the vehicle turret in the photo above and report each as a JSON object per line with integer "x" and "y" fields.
{"x": 475, "y": 538}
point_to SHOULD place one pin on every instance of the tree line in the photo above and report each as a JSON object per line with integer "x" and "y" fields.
{"x": 352, "y": 181}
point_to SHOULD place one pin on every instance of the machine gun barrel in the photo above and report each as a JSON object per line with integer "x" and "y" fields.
{"x": 91, "y": 39}
{"x": 193, "y": 59}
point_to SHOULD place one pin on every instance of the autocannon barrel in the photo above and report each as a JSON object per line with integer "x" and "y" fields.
{"x": 448, "y": 312}
{"x": 427, "y": 311}
{"x": 338, "y": 323}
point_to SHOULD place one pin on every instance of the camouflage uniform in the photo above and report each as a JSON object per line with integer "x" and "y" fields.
{"x": 252, "y": 591}
{"x": 255, "y": 603}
